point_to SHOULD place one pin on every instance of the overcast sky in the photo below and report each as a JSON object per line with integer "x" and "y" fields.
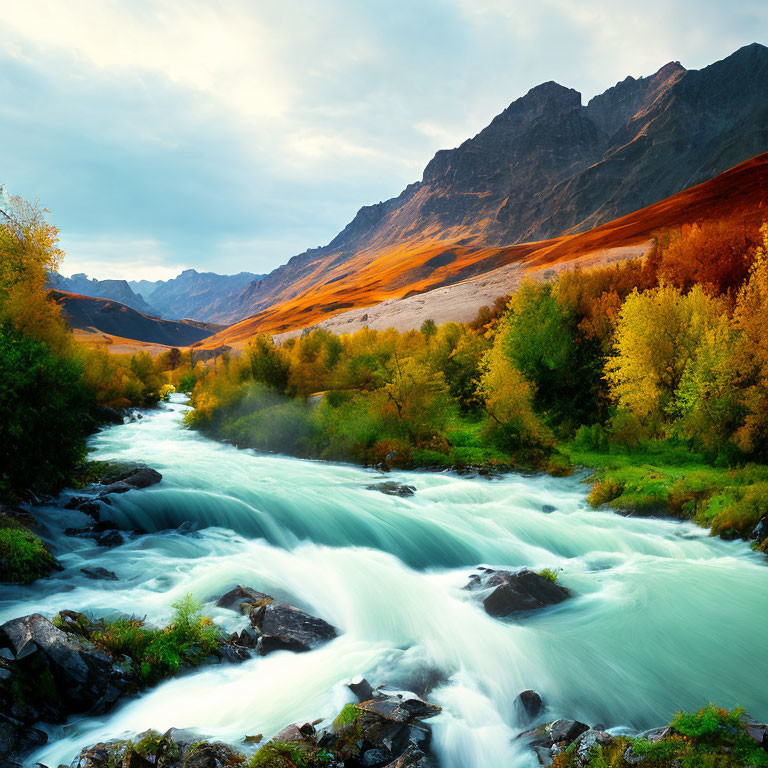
{"x": 230, "y": 136}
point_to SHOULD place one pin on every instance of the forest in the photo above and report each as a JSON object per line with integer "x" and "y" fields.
{"x": 652, "y": 373}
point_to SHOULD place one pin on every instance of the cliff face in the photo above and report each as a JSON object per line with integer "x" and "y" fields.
{"x": 548, "y": 165}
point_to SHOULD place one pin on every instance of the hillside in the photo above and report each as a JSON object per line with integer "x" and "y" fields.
{"x": 546, "y": 166}
{"x": 115, "y": 290}
{"x": 85, "y": 313}
{"x": 424, "y": 268}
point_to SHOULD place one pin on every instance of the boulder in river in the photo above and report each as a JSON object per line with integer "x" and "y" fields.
{"x": 391, "y": 488}
{"x": 506, "y": 592}
{"x": 530, "y": 702}
{"x": 98, "y": 573}
{"x": 276, "y": 626}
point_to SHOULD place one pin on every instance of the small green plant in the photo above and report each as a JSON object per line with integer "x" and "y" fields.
{"x": 23, "y": 557}
{"x": 278, "y": 754}
{"x": 348, "y": 715}
{"x": 548, "y": 574}
{"x": 159, "y": 653}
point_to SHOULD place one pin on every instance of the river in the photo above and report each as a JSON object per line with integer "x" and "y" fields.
{"x": 664, "y": 616}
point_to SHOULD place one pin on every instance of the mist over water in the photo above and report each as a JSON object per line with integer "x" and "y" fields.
{"x": 664, "y": 617}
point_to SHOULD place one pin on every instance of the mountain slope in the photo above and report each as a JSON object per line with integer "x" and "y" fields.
{"x": 115, "y": 290}
{"x": 741, "y": 193}
{"x": 86, "y": 312}
{"x": 202, "y": 295}
{"x": 548, "y": 165}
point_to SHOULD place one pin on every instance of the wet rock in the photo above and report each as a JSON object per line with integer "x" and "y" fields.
{"x": 275, "y": 626}
{"x": 587, "y": 741}
{"x": 362, "y": 689}
{"x": 391, "y": 488}
{"x": 145, "y": 477}
{"x": 104, "y": 533}
{"x": 537, "y": 737}
{"x": 16, "y": 738}
{"x": 760, "y": 532}
{"x": 757, "y": 730}
{"x": 373, "y": 757}
{"x": 510, "y": 592}
{"x": 212, "y": 755}
{"x": 284, "y": 627}
{"x": 97, "y": 572}
{"x": 544, "y": 756}
{"x": 106, "y": 415}
{"x": 59, "y": 672}
{"x": 548, "y": 509}
{"x": 566, "y": 731}
{"x": 531, "y": 703}
{"x": 241, "y": 596}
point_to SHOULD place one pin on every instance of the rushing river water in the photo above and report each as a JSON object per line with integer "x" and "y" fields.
{"x": 664, "y": 617}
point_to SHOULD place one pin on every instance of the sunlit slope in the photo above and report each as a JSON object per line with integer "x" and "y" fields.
{"x": 384, "y": 272}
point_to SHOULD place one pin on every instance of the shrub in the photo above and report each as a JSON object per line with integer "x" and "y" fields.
{"x": 548, "y": 574}
{"x": 158, "y": 653}
{"x": 605, "y": 491}
{"x": 23, "y": 557}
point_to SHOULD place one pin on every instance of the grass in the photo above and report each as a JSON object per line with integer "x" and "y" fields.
{"x": 23, "y": 556}
{"x": 710, "y": 738}
{"x": 662, "y": 477}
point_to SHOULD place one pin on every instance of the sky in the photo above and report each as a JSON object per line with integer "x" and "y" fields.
{"x": 233, "y": 135}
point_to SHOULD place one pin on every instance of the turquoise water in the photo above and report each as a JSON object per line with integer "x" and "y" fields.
{"x": 664, "y": 617}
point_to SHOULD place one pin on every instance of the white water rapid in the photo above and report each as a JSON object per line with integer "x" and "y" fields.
{"x": 664, "y": 616}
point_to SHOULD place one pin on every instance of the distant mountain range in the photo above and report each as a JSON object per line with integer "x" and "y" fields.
{"x": 202, "y": 295}
{"x": 115, "y": 290}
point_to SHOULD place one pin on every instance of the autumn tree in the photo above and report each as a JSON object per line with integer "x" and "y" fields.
{"x": 658, "y": 334}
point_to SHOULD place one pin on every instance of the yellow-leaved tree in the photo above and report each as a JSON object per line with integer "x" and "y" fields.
{"x": 658, "y": 333}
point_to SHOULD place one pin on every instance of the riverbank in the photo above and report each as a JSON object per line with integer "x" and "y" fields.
{"x": 659, "y": 609}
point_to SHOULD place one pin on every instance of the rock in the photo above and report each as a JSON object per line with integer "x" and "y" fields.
{"x": 373, "y": 757}
{"x": 106, "y": 415}
{"x": 145, "y": 477}
{"x": 362, "y": 689}
{"x": 17, "y": 737}
{"x": 544, "y": 756}
{"x": 537, "y": 737}
{"x": 104, "y": 533}
{"x": 97, "y": 572}
{"x": 531, "y": 703}
{"x": 84, "y": 678}
{"x": 284, "y": 627}
{"x": 760, "y": 532}
{"x": 566, "y": 731}
{"x": 211, "y": 755}
{"x": 133, "y": 759}
{"x": 240, "y": 595}
{"x": 757, "y": 730}
{"x": 275, "y": 626}
{"x": 391, "y": 488}
{"x": 587, "y": 741}
{"x": 548, "y": 509}
{"x": 515, "y": 592}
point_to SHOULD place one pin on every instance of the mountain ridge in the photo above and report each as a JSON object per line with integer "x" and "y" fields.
{"x": 548, "y": 165}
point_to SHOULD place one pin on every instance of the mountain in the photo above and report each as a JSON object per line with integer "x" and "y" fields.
{"x": 546, "y": 166}
{"x": 202, "y": 295}
{"x": 115, "y": 319}
{"x": 115, "y": 290}
{"x": 402, "y": 287}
